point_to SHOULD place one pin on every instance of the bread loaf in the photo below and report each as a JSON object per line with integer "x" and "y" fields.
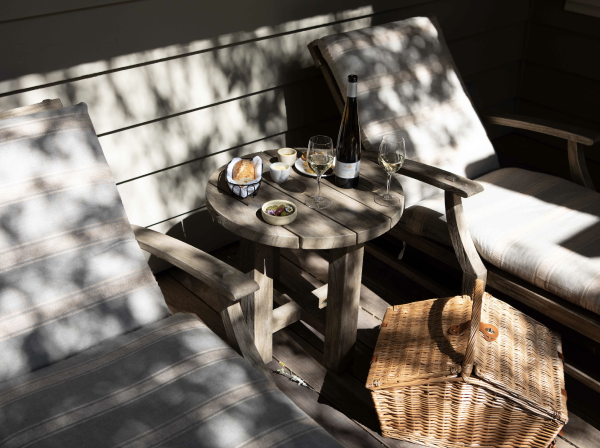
{"x": 243, "y": 172}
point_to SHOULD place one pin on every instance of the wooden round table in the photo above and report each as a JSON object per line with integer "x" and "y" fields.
{"x": 352, "y": 219}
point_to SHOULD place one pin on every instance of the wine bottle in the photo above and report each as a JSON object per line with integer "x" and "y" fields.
{"x": 347, "y": 165}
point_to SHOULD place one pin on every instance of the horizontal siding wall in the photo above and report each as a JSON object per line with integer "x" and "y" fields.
{"x": 561, "y": 80}
{"x": 176, "y": 88}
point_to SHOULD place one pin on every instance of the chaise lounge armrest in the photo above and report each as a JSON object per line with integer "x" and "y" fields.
{"x": 573, "y": 135}
{"x": 226, "y": 280}
{"x": 452, "y": 183}
{"x": 568, "y": 132}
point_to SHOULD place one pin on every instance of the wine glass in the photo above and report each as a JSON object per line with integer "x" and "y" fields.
{"x": 392, "y": 152}
{"x": 319, "y": 156}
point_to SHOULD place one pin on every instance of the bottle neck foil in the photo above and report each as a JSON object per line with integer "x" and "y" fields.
{"x": 352, "y": 89}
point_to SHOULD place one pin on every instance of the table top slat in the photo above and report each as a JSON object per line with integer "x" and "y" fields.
{"x": 240, "y": 219}
{"x": 315, "y": 230}
{"x": 367, "y": 222}
{"x": 370, "y": 183}
{"x": 311, "y": 229}
{"x": 352, "y": 218}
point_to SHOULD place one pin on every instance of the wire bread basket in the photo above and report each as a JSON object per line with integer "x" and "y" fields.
{"x": 251, "y": 188}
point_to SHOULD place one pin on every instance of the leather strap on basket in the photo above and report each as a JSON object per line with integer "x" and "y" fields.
{"x": 477, "y": 297}
{"x": 489, "y": 331}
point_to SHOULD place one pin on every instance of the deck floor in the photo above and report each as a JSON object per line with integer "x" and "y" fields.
{"x": 339, "y": 403}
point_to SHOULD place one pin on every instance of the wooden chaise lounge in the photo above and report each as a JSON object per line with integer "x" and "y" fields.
{"x": 89, "y": 353}
{"x": 538, "y": 235}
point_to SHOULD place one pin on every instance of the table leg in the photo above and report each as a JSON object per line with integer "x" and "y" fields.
{"x": 343, "y": 298}
{"x": 257, "y": 260}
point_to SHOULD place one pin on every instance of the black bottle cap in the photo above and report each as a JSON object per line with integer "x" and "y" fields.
{"x": 352, "y": 78}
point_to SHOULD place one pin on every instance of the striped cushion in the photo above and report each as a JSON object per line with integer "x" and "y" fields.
{"x": 408, "y": 84}
{"x": 71, "y": 271}
{"x": 172, "y": 383}
{"x": 541, "y": 228}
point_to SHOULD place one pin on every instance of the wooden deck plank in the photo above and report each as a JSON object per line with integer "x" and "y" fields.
{"x": 561, "y": 443}
{"x": 362, "y": 358}
{"x": 343, "y": 390}
{"x": 580, "y": 433}
{"x": 346, "y": 431}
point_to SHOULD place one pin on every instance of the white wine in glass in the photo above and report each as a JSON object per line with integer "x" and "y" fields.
{"x": 320, "y": 163}
{"x": 392, "y": 163}
{"x": 319, "y": 156}
{"x": 392, "y": 153}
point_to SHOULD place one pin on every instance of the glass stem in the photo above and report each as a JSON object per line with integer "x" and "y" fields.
{"x": 389, "y": 178}
{"x": 318, "y": 198}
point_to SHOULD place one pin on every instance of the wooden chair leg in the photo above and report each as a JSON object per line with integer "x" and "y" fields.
{"x": 467, "y": 255}
{"x": 240, "y": 336}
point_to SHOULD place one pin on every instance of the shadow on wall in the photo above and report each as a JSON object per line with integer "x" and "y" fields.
{"x": 171, "y": 107}
{"x": 149, "y": 30}
{"x": 166, "y": 126}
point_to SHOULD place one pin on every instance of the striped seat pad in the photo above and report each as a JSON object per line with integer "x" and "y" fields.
{"x": 172, "y": 383}
{"x": 408, "y": 84}
{"x": 71, "y": 271}
{"x": 541, "y": 228}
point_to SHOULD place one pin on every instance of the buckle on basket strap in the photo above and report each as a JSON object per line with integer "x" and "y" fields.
{"x": 490, "y": 332}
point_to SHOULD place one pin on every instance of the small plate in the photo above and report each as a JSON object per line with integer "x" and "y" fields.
{"x": 279, "y": 220}
{"x": 300, "y": 167}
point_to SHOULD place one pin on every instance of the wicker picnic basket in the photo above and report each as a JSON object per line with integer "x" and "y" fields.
{"x": 498, "y": 383}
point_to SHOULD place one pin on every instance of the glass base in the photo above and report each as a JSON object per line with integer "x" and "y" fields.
{"x": 387, "y": 200}
{"x": 317, "y": 202}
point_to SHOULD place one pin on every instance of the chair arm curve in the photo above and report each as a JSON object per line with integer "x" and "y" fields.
{"x": 568, "y": 132}
{"x": 460, "y": 186}
{"x": 217, "y": 274}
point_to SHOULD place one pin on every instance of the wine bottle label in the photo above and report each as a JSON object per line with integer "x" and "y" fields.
{"x": 347, "y": 170}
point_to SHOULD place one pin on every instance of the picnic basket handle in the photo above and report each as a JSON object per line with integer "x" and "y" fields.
{"x": 477, "y": 297}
